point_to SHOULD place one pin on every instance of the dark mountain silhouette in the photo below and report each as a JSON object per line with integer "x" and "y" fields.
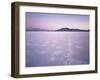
{"x": 68, "y": 29}
{"x": 62, "y": 29}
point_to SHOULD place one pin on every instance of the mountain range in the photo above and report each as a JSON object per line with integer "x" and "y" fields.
{"x": 62, "y": 29}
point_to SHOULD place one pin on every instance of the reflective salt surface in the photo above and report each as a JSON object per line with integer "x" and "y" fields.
{"x": 56, "y": 48}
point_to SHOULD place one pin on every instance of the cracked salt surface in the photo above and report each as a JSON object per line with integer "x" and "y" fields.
{"x": 57, "y": 48}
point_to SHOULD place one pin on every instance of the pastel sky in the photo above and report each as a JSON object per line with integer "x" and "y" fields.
{"x": 52, "y": 21}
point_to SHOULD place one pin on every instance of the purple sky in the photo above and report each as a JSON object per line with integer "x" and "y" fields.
{"x": 56, "y": 21}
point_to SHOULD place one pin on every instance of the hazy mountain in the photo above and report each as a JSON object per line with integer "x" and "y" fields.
{"x": 62, "y": 29}
{"x": 36, "y": 29}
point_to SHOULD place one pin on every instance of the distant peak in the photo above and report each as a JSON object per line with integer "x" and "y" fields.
{"x": 61, "y": 29}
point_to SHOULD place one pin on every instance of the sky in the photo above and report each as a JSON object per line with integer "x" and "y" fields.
{"x": 54, "y": 21}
